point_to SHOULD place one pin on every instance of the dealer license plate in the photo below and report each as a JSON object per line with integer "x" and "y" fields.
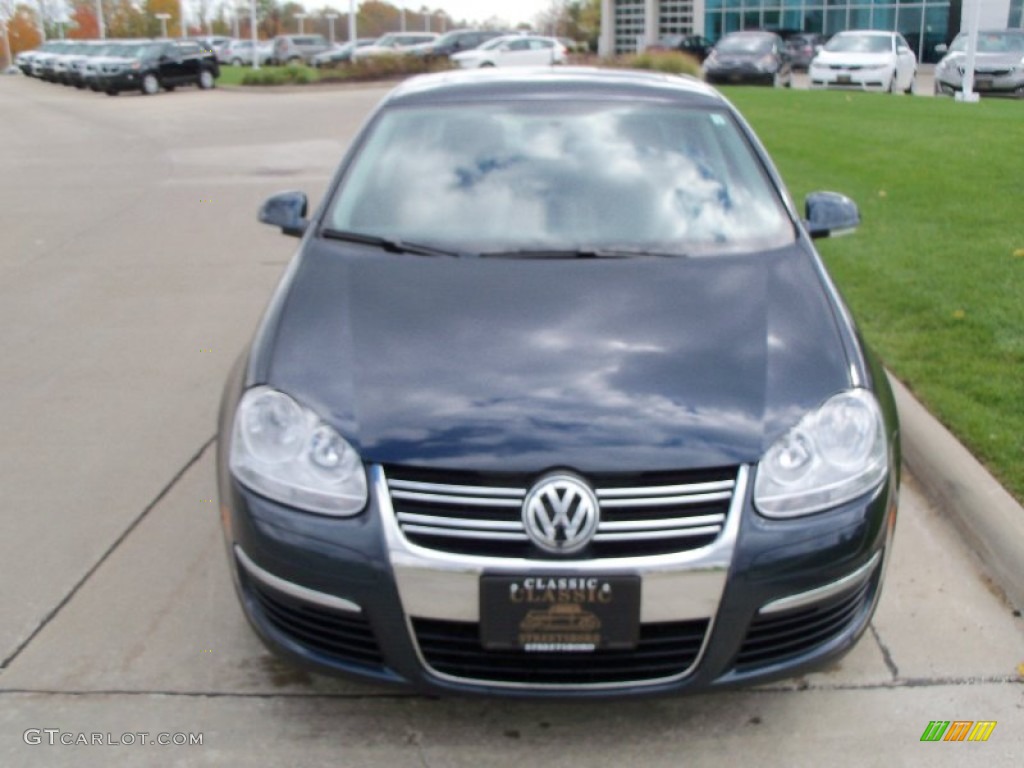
{"x": 559, "y": 613}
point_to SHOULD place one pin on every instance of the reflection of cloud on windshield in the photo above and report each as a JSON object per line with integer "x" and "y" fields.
{"x": 562, "y": 180}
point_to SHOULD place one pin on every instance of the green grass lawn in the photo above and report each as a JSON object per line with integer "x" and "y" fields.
{"x": 935, "y": 274}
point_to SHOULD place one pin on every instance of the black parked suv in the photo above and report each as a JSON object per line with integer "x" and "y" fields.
{"x": 151, "y": 66}
{"x": 455, "y": 41}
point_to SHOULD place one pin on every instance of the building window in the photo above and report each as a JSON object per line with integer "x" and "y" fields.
{"x": 675, "y": 17}
{"x": 629, "y": 25}
{"x": 1016, "y": 18}
{"x": 924, "y": 23}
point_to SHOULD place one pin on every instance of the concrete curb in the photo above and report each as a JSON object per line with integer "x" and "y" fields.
{"x": 988, "y": 517}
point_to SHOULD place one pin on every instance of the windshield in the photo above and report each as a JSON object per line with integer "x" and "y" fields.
{"x": 859, "y": 44}
{"x": 992, "y": 42}
{"x": 492, "y": 43}
{"x": 565, "y": 175}
{"x": 752, "y": 44}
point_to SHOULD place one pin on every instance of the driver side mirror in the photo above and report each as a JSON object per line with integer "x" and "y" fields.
{"x": 286, "y": 210}
{"x": 942, "y": 48}
{"x": 829, "y": 214}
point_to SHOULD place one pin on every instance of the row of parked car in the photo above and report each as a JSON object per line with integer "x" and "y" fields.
{"x": 113, "y": 66}
{"x": 871, "y": 60}
{"x": 466, "y": 47}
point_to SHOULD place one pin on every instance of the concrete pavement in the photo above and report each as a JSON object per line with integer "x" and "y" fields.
{"x": 131, "y": 274}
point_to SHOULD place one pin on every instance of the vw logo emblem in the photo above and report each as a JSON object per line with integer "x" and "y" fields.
{"x": 560, "y": 514}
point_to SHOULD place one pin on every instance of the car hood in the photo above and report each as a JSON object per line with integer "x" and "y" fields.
{"x": 731, "y": 59}
{"x": 599, "y": 365}
{"x": 853, "y": 59}
{"x": 1001, "y": 60}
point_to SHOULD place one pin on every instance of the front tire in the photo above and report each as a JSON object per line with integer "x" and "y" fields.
{"x": 150, "y": 84}
{"x": 910, "y": 85}
{"x": 206, "y": 80}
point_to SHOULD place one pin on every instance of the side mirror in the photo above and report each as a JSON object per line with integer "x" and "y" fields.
{"x": 942, "y": 48}
{"x": 830, "y": 214}
{"x": 286, "y": 210}
{"x": 902, "y": 49}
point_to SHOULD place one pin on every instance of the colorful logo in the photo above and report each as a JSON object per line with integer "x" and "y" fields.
{"x": 958, "y": 730}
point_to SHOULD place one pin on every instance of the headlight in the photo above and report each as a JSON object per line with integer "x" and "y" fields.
{"x": 282, "y": 450}
{"x": 834, "y": 454}
{"x": 765, "y": 62}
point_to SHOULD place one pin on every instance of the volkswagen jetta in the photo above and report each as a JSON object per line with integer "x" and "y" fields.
{"x": 556, "y": 397}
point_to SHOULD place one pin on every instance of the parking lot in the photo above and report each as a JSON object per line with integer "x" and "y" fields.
{"x": 133, "y": 273}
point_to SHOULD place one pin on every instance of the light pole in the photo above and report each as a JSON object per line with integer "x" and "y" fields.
{"x": 301, "y": 17}
{"x": 330, "y": 20}
{"x": 252, "y": 29}
{"x": 181, "y": 10}
{"x": 7, "y": 44}
{"x": 163, "y": 23}
{"x": 966, "y": 93}
{"x": 99, "y": 20}
{"x": 352, "y": 20}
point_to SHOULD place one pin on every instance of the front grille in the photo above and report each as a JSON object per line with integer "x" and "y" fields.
{"x": 779, "y": 636}
{"x": 664, "y": 650}
{"x": 342, "y": 636}
{"x": 481, "y": 514}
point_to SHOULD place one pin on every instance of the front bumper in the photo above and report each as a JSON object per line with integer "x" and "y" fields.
{"x": 125, "y": 80}
{"x": 739, "y": 76}
{"x": 874, "y": 79}
{"x": 1006, "y": 82}
{"x": 766, "y": 599}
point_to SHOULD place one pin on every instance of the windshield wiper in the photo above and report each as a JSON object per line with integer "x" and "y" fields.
{"x": 391, "y": 245}
{"x": 579, "y": 253}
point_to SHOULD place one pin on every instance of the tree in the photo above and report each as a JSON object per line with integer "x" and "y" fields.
{"x": 375, "y": 18}
{"x": 86, "y": 26}
{"x": 172, "y": 8}
{"x": 23, "y": 29}
{"x": 124, "y": 19}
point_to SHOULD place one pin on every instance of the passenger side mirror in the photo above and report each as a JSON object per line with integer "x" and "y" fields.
{"x": 902, "y": 49}
{"x": 830, "y": 214}
{"x": 286, "y": 210}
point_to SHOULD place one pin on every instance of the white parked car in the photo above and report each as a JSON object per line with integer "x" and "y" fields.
{"x": 869, "y": 60}
{"x": 394, "y": 43}
{"x": 513, "y": 51}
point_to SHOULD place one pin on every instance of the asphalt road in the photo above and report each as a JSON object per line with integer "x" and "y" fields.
{"x": 132, "y": 271}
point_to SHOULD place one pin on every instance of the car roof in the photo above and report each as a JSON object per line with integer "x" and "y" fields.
{"x": 866, "y": 32}
{"x": 550, "y": 83}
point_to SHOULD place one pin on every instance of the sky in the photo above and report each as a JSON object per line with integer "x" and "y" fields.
{"x": 512, "y": 11}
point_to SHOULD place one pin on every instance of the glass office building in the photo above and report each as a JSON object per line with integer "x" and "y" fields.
{"x": 924, "y": 23}
{"x": 628, "y": 25}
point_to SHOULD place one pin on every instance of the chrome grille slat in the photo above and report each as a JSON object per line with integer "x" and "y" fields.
{"x": 460, "y": 522}
{"x": 453, "y": 515}
{"x": 665, "y": 501}
{"x": 650, "y": 525}
{"x": 482, "y": 535}
{"x": 662, "y": 490}
{"x": 438, "y": 498}
{"x": 675, "y": 533}
{"x": 469, "y": 490}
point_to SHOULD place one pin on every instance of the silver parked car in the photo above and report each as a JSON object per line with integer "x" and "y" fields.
{"x": 239, "y": 52}
{"x": 295, "y": 49}
{"x": 998, "y": 65}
